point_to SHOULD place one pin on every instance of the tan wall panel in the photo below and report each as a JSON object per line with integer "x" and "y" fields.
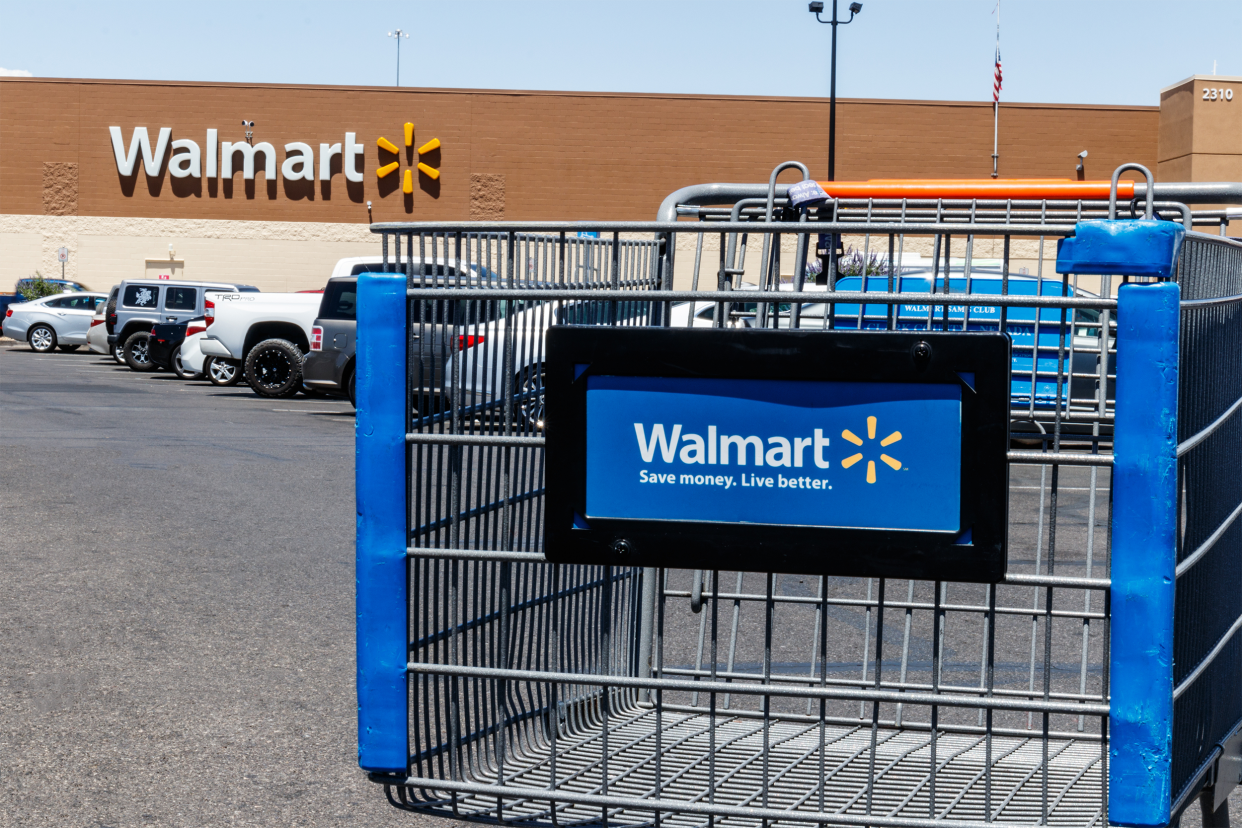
{"x": 276, "y": 256}
{"x": 1216, "y": 167}
{"x": 1177, "y": 108}
{"x": 19, "y": 258}
{"x": 1175, "y": 169}
{"x": 270, "y": 265}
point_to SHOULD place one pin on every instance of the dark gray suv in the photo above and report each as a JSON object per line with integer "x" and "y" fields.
{"x": 329, "y": 366}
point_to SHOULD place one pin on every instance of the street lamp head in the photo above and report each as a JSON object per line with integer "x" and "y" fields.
{"x": 815, "y": 8}
{"x": 855, "y": 8}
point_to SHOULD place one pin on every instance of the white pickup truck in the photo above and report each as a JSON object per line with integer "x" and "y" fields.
{"x": 264, "y": 335}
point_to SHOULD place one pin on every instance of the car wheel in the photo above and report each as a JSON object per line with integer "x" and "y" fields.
{"x": 352, "y": 399}
{"x": 222, "y": 372}
{"x": 180, "y": 370}
{"x": 118, "y": 353}
{"x": 42, "y": 339}
{"x": 138, "y": 353}
{"x": 529, "y": 390}
{"x": 68, "y": 348}
{"x": 274, "y": 368}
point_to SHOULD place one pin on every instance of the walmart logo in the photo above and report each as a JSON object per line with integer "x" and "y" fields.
{"x": 892, "y": 463}
{"x": 407, "y": 184}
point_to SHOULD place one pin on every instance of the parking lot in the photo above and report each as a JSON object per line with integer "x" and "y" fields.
{"x": 177, "y": 602}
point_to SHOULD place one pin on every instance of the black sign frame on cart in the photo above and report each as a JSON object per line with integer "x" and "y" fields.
{"x": 929, "y": 519}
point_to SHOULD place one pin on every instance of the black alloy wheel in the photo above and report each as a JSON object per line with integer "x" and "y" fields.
{"x": 530, "y": 403}
{"x": 274, "y": 368}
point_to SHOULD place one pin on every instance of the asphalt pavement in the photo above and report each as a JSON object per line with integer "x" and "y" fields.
{"x": 177, "y": 602}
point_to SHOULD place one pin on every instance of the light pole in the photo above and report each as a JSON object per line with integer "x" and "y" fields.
{"x": 398, "y": 34}
{"x": 817, "y": 9}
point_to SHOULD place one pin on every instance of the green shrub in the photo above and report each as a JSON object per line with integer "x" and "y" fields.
{"x": 36, "y": 287}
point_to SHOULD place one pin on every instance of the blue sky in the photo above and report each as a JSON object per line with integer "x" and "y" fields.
{"x": 1072, "y": 51}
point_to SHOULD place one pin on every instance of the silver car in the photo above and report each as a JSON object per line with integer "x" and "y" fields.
{"x": 53, "y": 322}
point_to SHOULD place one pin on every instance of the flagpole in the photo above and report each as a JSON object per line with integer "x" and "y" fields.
{"x": 995, "y": 132}
{"x": 996, "y": 100}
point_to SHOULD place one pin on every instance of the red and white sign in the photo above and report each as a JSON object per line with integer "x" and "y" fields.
{"x": 62, "y": 255}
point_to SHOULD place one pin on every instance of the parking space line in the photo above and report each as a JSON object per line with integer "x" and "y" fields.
{"x": 314, "y": 410}
{"x": 315, "y": 402}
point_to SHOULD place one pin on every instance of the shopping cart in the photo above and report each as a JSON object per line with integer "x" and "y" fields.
{"x": 1099, "y": 682}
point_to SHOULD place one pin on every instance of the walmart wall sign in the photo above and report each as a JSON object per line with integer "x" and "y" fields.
{"x": 188, "y": 159}
{"x": 847, "y": 453}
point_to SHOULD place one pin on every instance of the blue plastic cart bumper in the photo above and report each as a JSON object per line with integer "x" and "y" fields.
{"x": 383, "y": 733}
{"x": 1134, "y": 248}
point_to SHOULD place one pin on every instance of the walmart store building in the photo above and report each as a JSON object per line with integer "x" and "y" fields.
{"x": 150, "y": 178}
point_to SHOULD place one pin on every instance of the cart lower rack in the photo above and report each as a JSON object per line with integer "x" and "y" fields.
{"x": 1099, "y": 683}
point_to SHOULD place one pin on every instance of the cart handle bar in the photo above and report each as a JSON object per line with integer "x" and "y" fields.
{"x": 1000, "y": 188}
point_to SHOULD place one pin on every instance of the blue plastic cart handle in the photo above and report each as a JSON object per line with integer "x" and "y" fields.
{"x": 1133, "y": 248}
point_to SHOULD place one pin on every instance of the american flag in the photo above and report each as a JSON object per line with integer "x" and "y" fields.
{"x": 996, "y": 78}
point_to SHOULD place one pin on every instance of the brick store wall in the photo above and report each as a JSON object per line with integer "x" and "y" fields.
{"x": 526, "y": 155}
{"x": 511, "y": 155}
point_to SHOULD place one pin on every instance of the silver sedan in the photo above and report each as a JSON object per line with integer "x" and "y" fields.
{"x": 54, "y": 321}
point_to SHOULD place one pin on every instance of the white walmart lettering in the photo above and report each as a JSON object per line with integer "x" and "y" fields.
{"x": 187, "y": 157}
{"x": 248, "y": 152}
{"x": 780, "y": 451}
{"x": 152, "y": 161}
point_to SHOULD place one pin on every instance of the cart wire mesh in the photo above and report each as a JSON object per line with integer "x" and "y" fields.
{"x": 1207, "y": 639}
{"x": 548, "y": 694}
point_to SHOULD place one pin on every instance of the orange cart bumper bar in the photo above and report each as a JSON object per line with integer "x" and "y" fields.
{"x": 986, "y": 188}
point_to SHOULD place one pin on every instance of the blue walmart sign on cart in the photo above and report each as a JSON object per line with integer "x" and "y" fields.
{"x": 850, "y": 453}
{"x": 784, "y": 452}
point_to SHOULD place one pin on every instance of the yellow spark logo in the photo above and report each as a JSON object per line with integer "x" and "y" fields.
{"x": 407, "y": 185}
{"x": 893, "y": 464}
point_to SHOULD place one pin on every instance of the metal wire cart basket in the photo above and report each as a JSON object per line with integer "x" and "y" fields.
{"x": 1099, "y": 682}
